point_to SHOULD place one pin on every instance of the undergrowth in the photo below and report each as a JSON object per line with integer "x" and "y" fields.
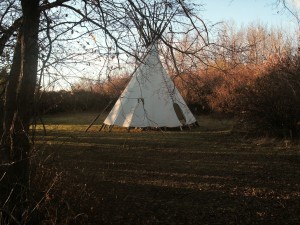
{"x": 207, "y": 175}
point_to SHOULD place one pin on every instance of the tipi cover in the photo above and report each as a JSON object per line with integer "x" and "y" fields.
{"x": 150, "y": 99}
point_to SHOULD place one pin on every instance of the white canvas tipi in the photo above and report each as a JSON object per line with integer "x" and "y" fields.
{"x": 150, "y": 99}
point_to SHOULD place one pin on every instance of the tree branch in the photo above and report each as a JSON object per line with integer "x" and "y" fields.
{"x": 6, "y": 34}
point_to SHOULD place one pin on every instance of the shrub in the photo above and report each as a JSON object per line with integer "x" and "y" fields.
{"x": 85, "y": 96}
{"x": 196, "y": 88}
{"x": 271, "y": 105}
{"x": 66, "y": 101}
{"x": 227, "y": 91}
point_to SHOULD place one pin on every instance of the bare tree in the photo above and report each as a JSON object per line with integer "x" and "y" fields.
{"x": 293, "y": 10}
{"x": 43, "y": 37}
{"x": 291, "y": 7}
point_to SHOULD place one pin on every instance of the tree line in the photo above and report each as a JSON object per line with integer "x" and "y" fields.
{"x": 41, "y": 40}
{"x": 250, "y": 73}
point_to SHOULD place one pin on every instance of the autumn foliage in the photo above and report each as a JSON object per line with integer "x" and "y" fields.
{"x": 250, "y": 74}
{"x": 84, "y": 96}
{"x": 271, "y": 104}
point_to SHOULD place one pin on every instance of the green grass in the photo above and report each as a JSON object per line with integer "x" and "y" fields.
{"x": 204, "y": 176}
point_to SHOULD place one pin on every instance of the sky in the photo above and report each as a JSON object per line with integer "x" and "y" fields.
{"x": 244, "y": 12}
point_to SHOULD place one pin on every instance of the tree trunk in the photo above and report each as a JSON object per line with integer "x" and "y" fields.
{"x": 10, "y": 105}
{"x": 18, "y": 109}
{"x": 1, "y": 121}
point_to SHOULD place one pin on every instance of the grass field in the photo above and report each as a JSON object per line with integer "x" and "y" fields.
{"x": 205, "y": 176}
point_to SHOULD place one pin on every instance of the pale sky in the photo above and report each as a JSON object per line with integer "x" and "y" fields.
{"x": 243, "y": 12}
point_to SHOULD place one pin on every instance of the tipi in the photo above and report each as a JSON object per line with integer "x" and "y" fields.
{"x": 150, "y": 99}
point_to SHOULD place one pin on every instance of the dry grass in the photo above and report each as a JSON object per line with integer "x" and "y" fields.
{"x": 203, "y": 176}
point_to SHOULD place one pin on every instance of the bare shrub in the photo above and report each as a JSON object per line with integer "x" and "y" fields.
{"x": 85, "y": 96}
{"x": 271, "y": 105}
{"x": 227, "y": 92}
{"x": 196, "y": 88}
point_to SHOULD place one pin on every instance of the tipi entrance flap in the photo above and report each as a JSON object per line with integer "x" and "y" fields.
{"x": 179, "y": 113}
